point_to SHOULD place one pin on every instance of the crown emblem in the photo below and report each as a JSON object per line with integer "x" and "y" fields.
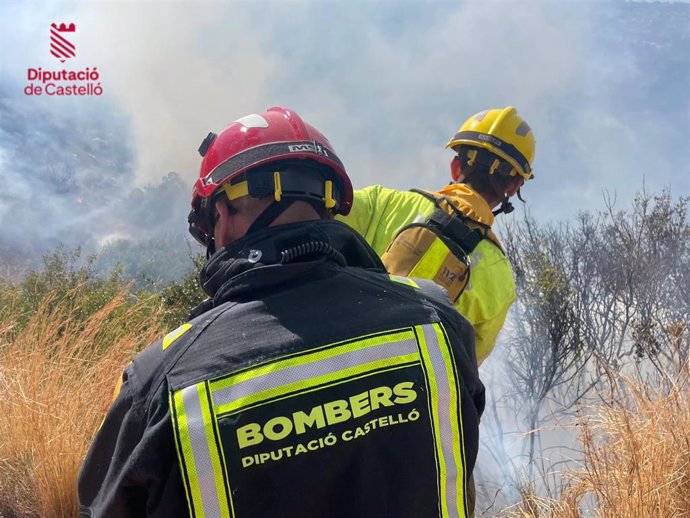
{"x": 63, "y": 27}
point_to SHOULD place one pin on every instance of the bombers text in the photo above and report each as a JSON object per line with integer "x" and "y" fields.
{"x": 332, "y": 412}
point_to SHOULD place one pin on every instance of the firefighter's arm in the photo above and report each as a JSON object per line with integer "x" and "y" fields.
{"x": 378, "y": 213}
{"x": 488, "y": 297}
{"x": 362, "y": 216}
{"x": 486, "y": 334}
{"x": 104, "y": 487}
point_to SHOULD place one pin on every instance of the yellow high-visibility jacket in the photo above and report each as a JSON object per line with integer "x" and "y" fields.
{"x": 378, "y": 213}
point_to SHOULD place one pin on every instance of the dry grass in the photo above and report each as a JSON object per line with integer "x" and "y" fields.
{"x": 638, "y": 450}
{"x": 636, "y": 456}
{"x": 57, "y": 375}
{"x": 58, "y": 369}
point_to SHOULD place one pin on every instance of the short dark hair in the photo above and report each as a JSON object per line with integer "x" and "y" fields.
{"x": 476, "y": 166}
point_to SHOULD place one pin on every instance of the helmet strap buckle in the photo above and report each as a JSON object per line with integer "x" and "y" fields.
{"x": 328, "y": 199}
{"x": 496, "y": 163}
{"x": 506, "y": 208}
{"x": 471, "y": 157}
{"x": 277, "y": 188}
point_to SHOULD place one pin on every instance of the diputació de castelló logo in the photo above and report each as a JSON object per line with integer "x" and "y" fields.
{"x": 81, "y": 82}
{"x": 60, "y": 46}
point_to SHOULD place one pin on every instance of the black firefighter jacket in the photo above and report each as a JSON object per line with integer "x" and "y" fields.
{"x": 319, "y": 387}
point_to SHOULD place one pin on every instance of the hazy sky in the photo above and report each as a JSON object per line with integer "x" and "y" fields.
{"x": 604, "y": 86}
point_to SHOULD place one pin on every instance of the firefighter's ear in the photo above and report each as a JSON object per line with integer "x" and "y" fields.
{"x": 515, "y": 185}
{"x": 455, "y": 169}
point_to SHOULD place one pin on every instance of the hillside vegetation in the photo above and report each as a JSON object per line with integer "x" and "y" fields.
{"x": 65, "y": 335}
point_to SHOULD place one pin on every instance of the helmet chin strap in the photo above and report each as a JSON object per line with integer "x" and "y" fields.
{"x": 506, "y": 206}
{"x": 268, "y": 216}
{"x": 520, "y": 197}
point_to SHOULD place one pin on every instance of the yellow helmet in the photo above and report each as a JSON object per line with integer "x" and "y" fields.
{"x": 504, "y": 133}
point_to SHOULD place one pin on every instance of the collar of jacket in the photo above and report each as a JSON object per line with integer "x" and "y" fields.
{"x": 253, "y": 261}
{"x": 470, "y": 202}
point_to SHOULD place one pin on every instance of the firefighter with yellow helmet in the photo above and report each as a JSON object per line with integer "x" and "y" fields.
{"x": 446, "y": 235}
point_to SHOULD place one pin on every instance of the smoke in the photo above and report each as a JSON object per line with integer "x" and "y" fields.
{"x": 392, "y": 83}
{"x": 179, "y": 70}
{"x": 601, "y": 84}
{"x": 503, "y": 464}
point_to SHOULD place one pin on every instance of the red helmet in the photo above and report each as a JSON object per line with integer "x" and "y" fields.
{"x": 252, "y": 142}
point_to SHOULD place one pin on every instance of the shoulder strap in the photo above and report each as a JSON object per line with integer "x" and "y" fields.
{"x": 427, "y": 195}
{"x": 456, "y": 229}
{"x": 442, "y": 199}
{"x": 482, "y": 229}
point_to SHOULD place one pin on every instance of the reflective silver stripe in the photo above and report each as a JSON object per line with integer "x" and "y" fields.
{"x": 206, "y": 479}
{"x": 443, "y": 388}
{"x": 272, "y": 380}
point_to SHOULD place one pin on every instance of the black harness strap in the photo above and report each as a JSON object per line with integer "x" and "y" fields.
{"x": 454, "y": 225}
{"x": 456, "y": 230}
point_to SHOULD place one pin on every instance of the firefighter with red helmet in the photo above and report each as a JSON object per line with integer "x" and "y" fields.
{"x": 313, "y": 383}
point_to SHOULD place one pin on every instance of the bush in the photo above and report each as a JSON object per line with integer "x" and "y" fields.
{"x": 179, "y": 298}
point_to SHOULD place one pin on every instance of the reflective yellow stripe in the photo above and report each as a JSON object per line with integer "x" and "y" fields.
{"x": 180, "y": 456}
{"x": 431, "y": 261}
{"x": 317, "y": 381}
{"x": 443, "y": 392}
{"x": 185, "y": 455}
{"x": 210, "y": 428}
{"x": 403, "y": 280}
{"x": 433, "y": 395}
{"x": 174, "y": 335}
{"x": 118, "y": 386}
{"x": 200, "y": 456}
{"x": 312, "y": 369}
{"x": 458, "y": 439}
{"x": 300, "y": 359}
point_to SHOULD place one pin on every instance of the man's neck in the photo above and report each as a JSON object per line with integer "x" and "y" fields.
{"x": 491, "y": 199}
